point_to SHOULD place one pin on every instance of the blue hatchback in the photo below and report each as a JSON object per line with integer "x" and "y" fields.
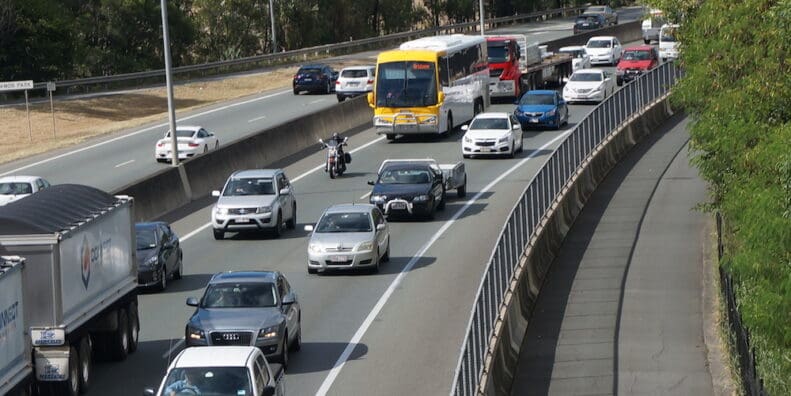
{"x": 542, "y": 108}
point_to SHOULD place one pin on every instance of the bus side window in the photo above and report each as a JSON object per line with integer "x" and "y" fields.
{"x": 443, "y": 71}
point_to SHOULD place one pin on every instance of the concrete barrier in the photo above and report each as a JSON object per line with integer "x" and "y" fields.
{"x": 542, "y": 249}
{"x": 172, "y": 188}
{"x": 625, "y": 32}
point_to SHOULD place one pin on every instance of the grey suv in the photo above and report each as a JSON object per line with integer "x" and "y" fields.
{"x": 259, "y": 199}
{"x": 255, "y": 308}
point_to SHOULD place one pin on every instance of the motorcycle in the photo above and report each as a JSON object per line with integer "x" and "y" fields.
{"x": 336, "y": 162}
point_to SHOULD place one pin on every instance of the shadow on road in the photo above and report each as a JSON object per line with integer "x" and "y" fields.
{"x": 321, "y": 356}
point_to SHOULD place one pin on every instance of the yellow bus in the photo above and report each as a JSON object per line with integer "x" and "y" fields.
{"x": 430, "y": 85}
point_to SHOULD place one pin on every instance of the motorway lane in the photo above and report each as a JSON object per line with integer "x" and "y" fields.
{"x": 129, "y": 155}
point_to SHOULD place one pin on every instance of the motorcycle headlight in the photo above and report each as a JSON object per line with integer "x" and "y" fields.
{"x": 268, "y": 332}
{"x": 504, "y": 139}
{"x": 420, "y": 198}
{"x": 315, "y": 247}
{"x": 263, "y": 209}
{"x": 151, "y": 261}
{"x": 195, "y": 334}
{"x": 221, "y": 211}
{"x": 378, "y": 198}
{"x": 365, "y": 246}
{"x": 551, "y": 113}
{"x": 467, "y": 139}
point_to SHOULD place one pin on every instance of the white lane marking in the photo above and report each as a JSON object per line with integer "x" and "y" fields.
{"x": 294, "y": 180}
{"x": 124, "y": 163}
{"x": 366, "y": 195}
{"x": 172, "y": 349}
{"x": 316, "y": 101}
{"x": 256, "y": 119}
{"x": 338, "y": 366}
{"x": 79, "y": 150}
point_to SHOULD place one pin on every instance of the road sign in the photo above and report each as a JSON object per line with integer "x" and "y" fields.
{"x": 16, "y": 85}
{"x": 50, "y": 87}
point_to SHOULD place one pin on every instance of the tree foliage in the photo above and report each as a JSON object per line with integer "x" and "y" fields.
{"x": 737, "y": 87}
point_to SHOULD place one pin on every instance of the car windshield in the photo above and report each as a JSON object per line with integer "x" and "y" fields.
{"x": 406, "y": 84}
{"x": 599, "y": 44}
{"x": 146, "y": 238}
{"x": 405, "y": 176}
{"x": 668, "y": 34}
{"x": 497, "y": 53}
{"x": 586, "y": 77}
{"x": 575, "y": 53}
{"x": 489, "y": 123}
{"x": 239, "y": 295}
{"x": 344, "y": 222}
{"x": 249, "y": 186}
{"x": 535, "y": 99}
{"x": 181, "y": 133}
{"x": 636, "y": 55}
{"x": 586, "y": 19}
{"x": 15, "y": 188}
{"x": 309, "y": 70}
{"x": 208, "y": 381}
{"x": 354, "y": 73}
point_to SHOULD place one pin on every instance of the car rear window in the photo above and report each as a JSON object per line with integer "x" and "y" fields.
{"x": 354, "y": 73}
{"x": 309, "y": 70}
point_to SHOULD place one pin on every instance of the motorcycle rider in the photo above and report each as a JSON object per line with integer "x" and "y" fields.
{"x": 340, "y": 142}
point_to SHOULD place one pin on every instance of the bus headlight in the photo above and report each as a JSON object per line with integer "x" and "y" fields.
{"x": 429, "y": 120}
{"x": 382, "y": 120}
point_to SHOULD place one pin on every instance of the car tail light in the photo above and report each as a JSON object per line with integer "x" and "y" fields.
{"x": 370, "y": 81}
{"x": 160, "y": 144}
{"x": 337, "y": 82}
{"x": 193, "y": 144}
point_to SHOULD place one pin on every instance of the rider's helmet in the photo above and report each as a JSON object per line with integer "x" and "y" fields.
{"x": 336, "y": 136}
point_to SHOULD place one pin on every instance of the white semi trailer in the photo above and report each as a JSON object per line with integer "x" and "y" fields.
{"x": 77, "y": 287}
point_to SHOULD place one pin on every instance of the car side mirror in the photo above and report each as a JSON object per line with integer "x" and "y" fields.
{"x": 371, "y": 183}
{"x": 215, "y": 193}
{"x": 289, "y": 299}
{"x": 148, "y": 392}
{"x": 380, "y": 227}
{"x": 285, "y": 191}
{"x": 309, "y": 227}
{"x": 465, "y": 127}
{"x": 268, "y": 390}
{"x": 192, "y": 301}
{"x": 370, "y": 97}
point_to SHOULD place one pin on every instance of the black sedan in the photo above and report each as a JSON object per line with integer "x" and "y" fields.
{"x": 159, "y": 255}
{"x": 409, "y": 188}
{"x": 587, "y": 22}
{"x": 318, "y": 77}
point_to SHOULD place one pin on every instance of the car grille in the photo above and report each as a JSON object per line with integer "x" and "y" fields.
{"x": 407, "y": 198}
{"x": 538, "y": 114}
{"x": 484, "y": 144}
{"x": 241, "y": 211}
{"x": 231, "y": 338}
{"x": 582, "y": 90}
{"x": 495, "y": 73}
{"x": 336, "y": 249}
{"x": 336, "y": 263}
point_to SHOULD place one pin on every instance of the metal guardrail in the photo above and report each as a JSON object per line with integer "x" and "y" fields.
{"x": 247, "y": 63}
{"x": 531, "y": 208}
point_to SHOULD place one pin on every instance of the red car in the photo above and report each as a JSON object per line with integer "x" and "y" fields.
{"x": 636, "y": 61}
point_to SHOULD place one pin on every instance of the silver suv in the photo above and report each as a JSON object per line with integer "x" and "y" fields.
{"x": 354, "y": 81}
{"x": 252, "y": 200}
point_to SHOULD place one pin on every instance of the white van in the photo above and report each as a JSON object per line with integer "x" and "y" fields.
{"x": 668, "y": 45}
{"x": 652, "y": 22}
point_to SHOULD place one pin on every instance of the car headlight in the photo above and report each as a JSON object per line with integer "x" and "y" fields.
{"x": 263, "y": 209}
{"x": 518, "y": 112}
{"x": 429, "y": 120}
{"x": 378, "y": 198}
{"x": 504, "y": 139}
{"x": 550, "y": 113}
{"x": 315, "y": 247}
{"x": 420, "y": 198}
{"x": 599, "y": 88}
{"x": 195, "y": 334}
{"x": 151, "y": 261}
{"x": 467, "y": 139}
{"x": 221, "y": 211}
{"x": 365, "y": 246}
{"x": 268, "y": 332}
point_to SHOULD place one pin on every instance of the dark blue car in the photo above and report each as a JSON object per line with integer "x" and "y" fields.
{"x": 315, "y": 78}
{"x": 409, "y": 189}
{"x": 542, "y": 108}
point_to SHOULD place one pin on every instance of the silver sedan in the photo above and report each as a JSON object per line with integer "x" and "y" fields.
{"x": 349, "y": 236}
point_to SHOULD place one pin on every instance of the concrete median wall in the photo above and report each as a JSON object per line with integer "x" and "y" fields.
{"x": 172, "y": 188}
{"x": 545, "y": 245}
{"x": 625, "y": 32}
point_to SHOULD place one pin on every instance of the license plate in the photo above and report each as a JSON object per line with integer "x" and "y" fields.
{"x": 534, "y": 120}
{"x": 242, "y": 219}
{"x": 339, "y": 259}
{"x": 398, "y": 205}
{"x": 586, "y": 24}
{"x": 352, "y": 83}
{"x": 308, "y": 79}
{"x": 486, "y": 149}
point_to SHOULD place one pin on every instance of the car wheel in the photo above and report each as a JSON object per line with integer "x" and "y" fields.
{"x": 296, "y": 345}
{"x": 219, "y": 234}
{"x": 441, "y": 205}
{"x": 375, "y": 268}
{"x": 292, "y": 222}
{"x": 278, "y": 226}
{"x": 283, "y": 358}
{"x": 386, "y": 257}
{"x": 327, "y": 89}
{"x": 179, "y": 267}
{"x": 216, "y": 145}
{"x": 340, "y": 98}
{"x": 390, "y": 136}
{"x": 512, "y": 152}
{"x": 465, "y": 155}
{"x": 205, "y": 149}
{"x": 163, "y": 279}
{"x": 312, "y": 270}
{"x": 86, "y": 365}
{"x": 296, "y": 91}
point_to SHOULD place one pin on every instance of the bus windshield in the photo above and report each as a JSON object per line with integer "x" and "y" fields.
{"x": 406, "y": 84}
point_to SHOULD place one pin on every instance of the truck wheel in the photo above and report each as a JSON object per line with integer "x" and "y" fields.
{"x": 71, "y": 387}
{"x": 134, "y": 327}
{"x": 86, "y": 366}
{"x": 119, "y": 339}
{"x": 390, "y": 136}
{"x": 219, "y": 234}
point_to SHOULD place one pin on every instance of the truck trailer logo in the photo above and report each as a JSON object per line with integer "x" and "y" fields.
{"x": 86, "y": 262}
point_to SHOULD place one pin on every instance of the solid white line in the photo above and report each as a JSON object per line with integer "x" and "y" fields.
{"x": 294, "y": 180}
{"x": 338, "y": 366}
{"x": 256, "y": 119}
{"x": 139, "y": 132}
{"x": 124, "y": 163}
{"x": 172, "y": 349}
{"x": 366, "y": 195}
{"x": 316, "y": 101}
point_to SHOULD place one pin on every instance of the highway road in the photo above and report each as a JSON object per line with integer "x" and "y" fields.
{"x": 396, "y": 332}
{"x": 113, "y": 161}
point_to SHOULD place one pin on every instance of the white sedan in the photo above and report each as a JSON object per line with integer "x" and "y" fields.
{"x": 604, "y": 49}
{"x": 192, "y": 141}
{"x": 589, "y": 85}
{"x": 580, "y": 58}
{"x": 492, "y": 134}
{"x": 13, "y": 188}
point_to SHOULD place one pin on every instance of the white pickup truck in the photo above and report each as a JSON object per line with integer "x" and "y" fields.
{"x": 221, "y": 370}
